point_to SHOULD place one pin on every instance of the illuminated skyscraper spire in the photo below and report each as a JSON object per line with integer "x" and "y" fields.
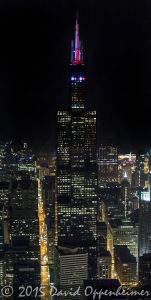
{"x": 76, "y": 46}
{"x": 77, "y": 39}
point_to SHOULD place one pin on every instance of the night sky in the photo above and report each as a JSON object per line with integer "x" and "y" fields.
{"x": 34, "y": 60}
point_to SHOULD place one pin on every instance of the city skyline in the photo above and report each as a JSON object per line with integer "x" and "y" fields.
{"x": 34, "y": 69}
{"x": 77, "y": 218}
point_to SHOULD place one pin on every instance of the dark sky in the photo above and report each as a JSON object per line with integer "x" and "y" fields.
{"x": 34, "y": 56}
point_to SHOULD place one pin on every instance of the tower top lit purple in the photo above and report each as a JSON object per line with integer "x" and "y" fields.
{"x": 76, "y": 46}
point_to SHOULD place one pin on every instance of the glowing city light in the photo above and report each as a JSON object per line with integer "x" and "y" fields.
{"x": 80, "y": 78}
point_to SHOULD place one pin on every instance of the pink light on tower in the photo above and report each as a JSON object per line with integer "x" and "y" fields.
{"x": 76, "y": 47}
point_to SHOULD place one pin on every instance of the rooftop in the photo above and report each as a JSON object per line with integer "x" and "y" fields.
{"x": 124, "y": 254}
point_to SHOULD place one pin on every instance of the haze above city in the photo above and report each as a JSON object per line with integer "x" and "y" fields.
{"x": 34, "y": 63}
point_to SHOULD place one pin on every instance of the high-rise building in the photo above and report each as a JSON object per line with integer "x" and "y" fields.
{"x": 4, "y": 197}
{"x": 101, "y": 235}
{"x": 126, "y": 164}
{"x": 104, "y": 264}
{"x": 8, "y": 162}
{"x": 26, "y": 163}
{"x": 76, "y": 162}
{"x": 145, "y": 269}
{"x": 108, "y": 196}
{"x": 144, "y": 227}
{"x": 125, "y": 196}
{"x": 107, "y": 164}
{"x": 71, "y": 269}
{"x": 24, "y": 212}
{"x": 125, "y": 266}
{"x": 22, "y": 258}
{"x": 1, "y": 247}
{"x": 143, "y": 170}
{"x": 110, "y": 210}
{"x": 123, "y": 232}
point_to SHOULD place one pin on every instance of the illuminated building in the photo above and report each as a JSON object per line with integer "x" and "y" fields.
{"x": 4, "y": 199}
{"x": 4, "y": 204}
{"x": 52, "y": 165}
{"x": 125, "y": 196}
{"x": 16, "y": 165}
{"x": 126, "y": 164}
{"x": 110, "y": 210}
{"x": 1, "y": 230}
{"x": 144, "y": 194}
{"x": 1, "y": 247}
{"x": 108, "y": 200}
{"x": 43, "y": 171}
{"x": 107, "y": 164}
{"x": 23, "y": 254}
{"x": 145, "y": 269}
{"x": 104, "y": 264}
{"x": 1, "y": 269}
{"x": 125, "y": 266}
{"x": 26, "y": 163}
{"x": 8, "y": 162}
{"x": 46, "y": 165}
{"x": 123, "y": 232}
{"x": 71, "y": 269}
{"x": 145, "y": 227}
{"x": 76, "y": 162}
{"x": 24, "y": 212}
{"x": 2, "y": 154}
{"x": 25, "y": 259}
{"x": 143, "y": 170}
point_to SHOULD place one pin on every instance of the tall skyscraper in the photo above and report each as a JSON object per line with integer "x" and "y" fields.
{"x": 76, "y": 161}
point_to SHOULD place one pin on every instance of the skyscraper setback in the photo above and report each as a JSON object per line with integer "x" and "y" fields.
{"x": 76, "y": 162}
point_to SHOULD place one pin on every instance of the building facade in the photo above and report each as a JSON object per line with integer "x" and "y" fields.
{"x": 70, "y": 270}
{"x": 125, "y": 266}
{"x": 107, "y": 164}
